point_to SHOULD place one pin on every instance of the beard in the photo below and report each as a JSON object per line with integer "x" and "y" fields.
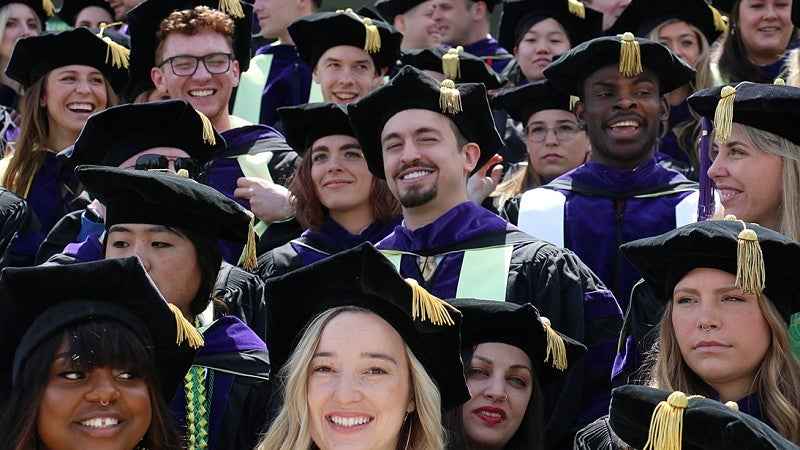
{"x": 417, "y": 197}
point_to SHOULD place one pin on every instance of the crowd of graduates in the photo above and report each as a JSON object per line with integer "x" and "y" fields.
{"x": 267, "y": 225}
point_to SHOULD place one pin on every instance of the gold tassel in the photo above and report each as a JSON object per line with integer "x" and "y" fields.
{"x": 630, "y": 58}
{"x": 118, "y": 54}
{"x": 426, "y": 306}
{"x": 185, "y": 330}
{"x": 666, "y": 424}
{"x": 49, "y": 8}
{"x": 779, "y": 82}
{"x": 451, "y": 64}
{"x": 732, "y": 405}
{"x": 555, "y": 346}
{"x": 250, "y": 259}
{"x": 208, "y": 129}
{"x": 573, "y": 99}
{"x": 719, "y": 22}
{"x": 183, "y": 173}
{"x": 723, "y": 116}
{"x": 750, "y": 272}
{"x": 373, "y": 42}
{"x": 449, "y": 98}
{"x": 231, "y": 8}
{"x": 576, "y": 8}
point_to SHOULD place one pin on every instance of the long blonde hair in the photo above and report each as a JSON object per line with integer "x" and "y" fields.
{"x": 777, "y": 380}
{"x": 290, "y": 431}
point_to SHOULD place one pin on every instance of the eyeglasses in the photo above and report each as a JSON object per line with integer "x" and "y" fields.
{"x": 564, "y": 132}
{"x": 186, "y": 65}
{"x": 160, "y": 162}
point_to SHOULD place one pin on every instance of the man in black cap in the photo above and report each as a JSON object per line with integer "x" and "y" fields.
{"x": 277, "y": 76}
{"x": 414, "y": 19}
{"x": 425, "y": 140}
{"x": 348, "y": 54}
{"x": 623, "y": 193}
{"x": 466, "y": 23}
{"x": 198, "y": 54}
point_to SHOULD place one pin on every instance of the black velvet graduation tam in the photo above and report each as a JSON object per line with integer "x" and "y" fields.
{"x": 363, "y": 277}
{"x": 44, "y": 9}
{"x": 34, "y": 56}
{"x": 144, "y": 21}
{"x": 707, "y": 423}
{"x": 470, "y": 68}
{"x": 768, "y": 107}
{"x": 159, "y": 198}
{"x": 663, "y": 260}
{"x": 519, "y": 15}
{"x": 111, "y": 137}
{"x": 524, "y": 101}
{"x": 39, "y": 302}
{"x": 413, "y": 89}
{"x": 316, "y": 33}
{"x": 517, "y": 325}
{"x": 389, "y": 9}
{"x": 640, "y": 17}
{"x": 71, "y": 8}
{"x": 304, "y": 124}
{"x": 570, "y": 70}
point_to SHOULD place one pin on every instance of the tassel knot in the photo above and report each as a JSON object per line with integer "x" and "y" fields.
{"x": 630, "y": 57}
{"x": 732, "y": 405}
{"x": 555, "y": 346}
{"x": 576, "y": 8}
{"x": 666, "y": 423}
{"x": 449, "y": 98}
{"x": 185, "y": 330}
{"x": 426, "y": 306}
{"x": 779, "y": 82}
{"x": 451, "y": 64}
{"x": 723, "y": 116}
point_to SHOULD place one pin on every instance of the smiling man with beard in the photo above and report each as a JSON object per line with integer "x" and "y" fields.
{"x": 425, "y": 139}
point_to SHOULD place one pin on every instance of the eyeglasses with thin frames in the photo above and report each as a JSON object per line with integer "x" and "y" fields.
{"x": 186, "y": 65}
{"x": 563, "y": 132}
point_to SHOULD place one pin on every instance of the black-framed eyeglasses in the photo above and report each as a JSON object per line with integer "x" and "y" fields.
{"x": 186, "y": 65}
{"x": 155, "y": 161}
{"x": 563, "y": 131}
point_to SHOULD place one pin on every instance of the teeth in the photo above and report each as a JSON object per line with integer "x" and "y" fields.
{"x": 349, "y": 421}
{"x": 625, "y": 123}
{"x": 345, "y": 96}
{"x": 492, "y": 414}
{"x": 100, "y": 422}
{"x": 415, "y": 175}
{"x": 80, "y": 107}
{"x": 203, "y": 93}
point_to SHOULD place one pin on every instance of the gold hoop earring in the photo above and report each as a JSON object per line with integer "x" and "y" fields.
{"x": 410, "y": 424}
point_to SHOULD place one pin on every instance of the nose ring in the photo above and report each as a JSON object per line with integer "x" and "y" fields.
{"x": 104, "y": 403}
{"x": 706, "y": 328}
{"x": 504, "y": 397}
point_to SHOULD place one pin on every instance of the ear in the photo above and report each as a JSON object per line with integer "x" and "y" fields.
{"x": 472, "y": 152}
{"x": 580, "y": 113}
{"x": 515, "y": 52}
{"x": 235, "y": 72}
{"x": 479, "y": 10}
{"x": 664, "y": 108}
{"x": 157, "y": 75}
{"x": 412, "y": 405}
{"x": 400, "y": 23}
{"x": 314, "y": 75}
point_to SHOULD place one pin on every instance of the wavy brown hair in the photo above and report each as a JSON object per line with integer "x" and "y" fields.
{"x": 191, "y": 22}
{"x": 310, "y": 212}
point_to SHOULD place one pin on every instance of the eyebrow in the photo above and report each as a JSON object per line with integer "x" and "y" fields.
{"x": 418, "y": 131}
{"x": 325, "y": 148}
{"x": 150, "y": 229}
{"x": 488, "y": 361}
{"x": 697, "y": 291}
{"x": 369, "y": 355}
